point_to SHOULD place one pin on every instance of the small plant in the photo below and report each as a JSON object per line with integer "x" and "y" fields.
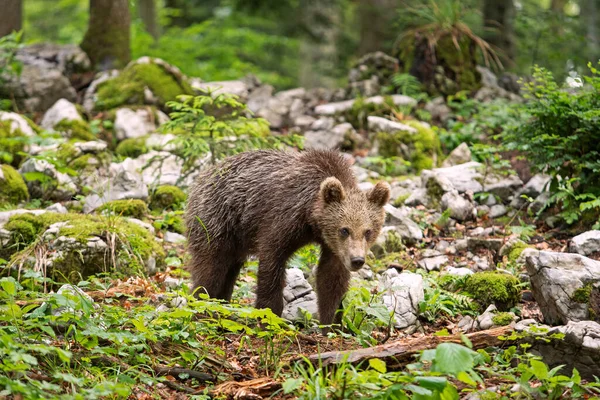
{"x": 9, "y": 65}
{"x": 363, "y": 312}
{"x": 217, "y": 126}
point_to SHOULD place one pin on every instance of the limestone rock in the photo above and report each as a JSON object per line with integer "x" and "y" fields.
{"x": 57, "y": 186}
{"x": 403, "y": 294}
{"x": 585, "y": 243}
{"x": 61, "y": 110}
{"x": 460, "y": 208}
{"x": 298, "y": 295}
{"x": 136, "y": 123}
{"x": 561, "y": 284}
{"x": 460, "y": 155}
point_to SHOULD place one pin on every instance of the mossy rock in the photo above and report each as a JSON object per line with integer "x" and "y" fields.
{"x": 422, "y": 148}
{"x": 503, "y": 318}
{"x": 133, "y": 147}
{"x": 133, "y": 208}
{"x": 167, "y": 197}
{"x": 359, "y": 112}
{"x": 499, "y": 289}
{"x": 78, "y": 130}
{"x": 85, "y": 248}
{"x": 128, "y": 87}
{"x": 13, "y": 189}
{"x": 67, "y": 152}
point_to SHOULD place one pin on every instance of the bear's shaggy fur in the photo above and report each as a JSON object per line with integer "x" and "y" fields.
{"x": 271, "y": 203}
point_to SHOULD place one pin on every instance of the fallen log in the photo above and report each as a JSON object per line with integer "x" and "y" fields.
{"x": 401, "y": 352}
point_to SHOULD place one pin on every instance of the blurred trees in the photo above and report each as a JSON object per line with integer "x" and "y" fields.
{"x": 309, "y": 42}
{"x": 107, "y": 40}
{"x": 11, "y": 16}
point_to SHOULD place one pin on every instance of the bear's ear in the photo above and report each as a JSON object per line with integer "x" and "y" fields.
{"x": 380, "y": 194}
{"x": 332, "y": 190}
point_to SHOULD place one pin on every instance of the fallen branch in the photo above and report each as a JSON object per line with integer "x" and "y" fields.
{"x": 176, "y": 371}
{"x": 401, "y": 352}
{"x": 248, "y": 390}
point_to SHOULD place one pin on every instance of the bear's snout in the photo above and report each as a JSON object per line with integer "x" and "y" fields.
{"x": 357, "y": 263}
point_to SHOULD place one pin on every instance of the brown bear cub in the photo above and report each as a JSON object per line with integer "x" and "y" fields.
{"x": 271, "y": 203}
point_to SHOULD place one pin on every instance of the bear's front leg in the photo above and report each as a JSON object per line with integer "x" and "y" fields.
{"x": 332, "y": 284}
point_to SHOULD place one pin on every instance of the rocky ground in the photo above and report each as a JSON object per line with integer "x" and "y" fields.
{"x": 91, "y": 185}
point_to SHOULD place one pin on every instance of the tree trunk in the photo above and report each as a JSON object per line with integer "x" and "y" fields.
{"x": 375, "y": 19}
{"x": 498, "y": 17}
{"x": 107, "y": 39}
{"x": 147, "y": 10}
{"x": 589, "y": 13}
{"x": 11, "y": 17}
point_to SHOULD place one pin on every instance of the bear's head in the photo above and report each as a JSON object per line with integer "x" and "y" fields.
{"x": 350, "y": 220}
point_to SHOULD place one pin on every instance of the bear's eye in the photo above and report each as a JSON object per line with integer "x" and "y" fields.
{"x": 368, "y": 234}
{"x": 344, "y": 232}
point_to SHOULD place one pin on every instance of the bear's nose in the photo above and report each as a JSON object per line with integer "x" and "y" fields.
{"x": 357, "y": 262}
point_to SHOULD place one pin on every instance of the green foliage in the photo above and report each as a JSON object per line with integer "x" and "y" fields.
{"x": 128, "y": 87}
{"x": 405, "y": 84}
{"x": 441, "y": 303}
{"x": 363, "y": 312}
{"x": 9, "y": 65}
{"x": 226, "y": 47}
{"x": 170, "y": 221}
{"x": 38, "y": 336}
{"x": 167, "y": 197}
{"x": 12, "y": 187}
{"x": 562, "y": 139}
{"x": 127, "y": 208}
{"x": 500, "y": 289}
{"x": 216, "y": 126}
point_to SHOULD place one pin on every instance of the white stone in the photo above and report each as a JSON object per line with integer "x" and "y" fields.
{"x": 17, "y": 122}
{"x": 585, "y": 243}
{"x": 63, "y": 109}
{"x": 379, "y": 124}
{"x": 403, "y": 294}
{"x": 134, "y": 123}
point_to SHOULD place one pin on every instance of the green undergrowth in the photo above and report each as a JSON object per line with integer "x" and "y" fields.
{"x": 75, "y": 129}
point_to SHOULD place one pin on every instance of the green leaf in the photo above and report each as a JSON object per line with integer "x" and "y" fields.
{"x": 9, "y": 285}
{"x": 435, "y": 383}
{"x": 452, "y": 358}
{"x": 539, "y": 369}
{"x": 291, "y": 384}
{"x": 378, "y": 365}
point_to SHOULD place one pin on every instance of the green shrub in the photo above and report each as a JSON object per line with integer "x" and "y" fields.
{"x": 127, "y": 208}
{"x": 12, "y": 186}
{"x": 491, "y": 287}
{"x": 167, "y": 197}
{"x": 562, "y": 139}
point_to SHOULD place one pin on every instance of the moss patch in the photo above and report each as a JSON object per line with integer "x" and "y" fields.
{"x": 502, "y": 319}
{"x": 128, "y": 86}
{"x": 516, "y": 251}
{"x": 133, "y": 147}
{"x": 127, "y": 208}
{"x": 167, "y": 197}
{"x": 582, "y": 295}
{"x": 491, "y": 287}
{"x": 13, "y": 189}
{"x": 76, "y": 130}
{"x": 424, "y": 146}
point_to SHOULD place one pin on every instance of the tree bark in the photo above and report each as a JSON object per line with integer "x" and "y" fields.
{"x": 375, "y": 19}
{"x": 147, "y": 11}
{"x": 498, "y": 17}
{"x": 11, "y": 17}
{"x": 107, "y": 39}
{"x": 589, "y": 13}
{"x": 398, "y": 354}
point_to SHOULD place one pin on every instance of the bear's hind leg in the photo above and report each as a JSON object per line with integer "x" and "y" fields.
{"x": 233, "y": 270}
{"x": 332, "y": 284}
{"x": 216, "y": 274}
